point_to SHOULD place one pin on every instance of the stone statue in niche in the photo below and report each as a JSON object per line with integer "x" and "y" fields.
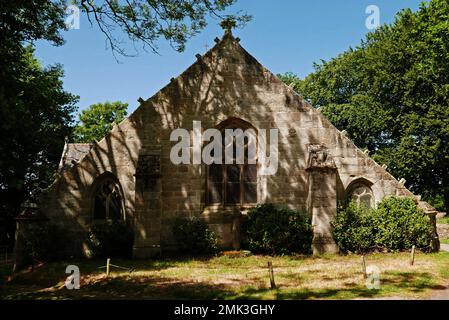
{"x": 148, "y": 172}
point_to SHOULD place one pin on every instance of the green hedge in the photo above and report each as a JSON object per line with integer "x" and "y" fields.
{"x": 194, "y": 237}
{"x": 397, "y": 224}
{"x": 277, "y": 230}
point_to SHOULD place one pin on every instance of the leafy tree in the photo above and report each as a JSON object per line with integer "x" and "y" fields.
{"x": 36, "y": 115}
{"x": 97, "y": 121}
{"x": 146, "y": 21}
{"x": 27, "y": 21}
{"x": 36, "y": 112}
{"x": 390, "y": 94}
{"x": 141, "y": 21}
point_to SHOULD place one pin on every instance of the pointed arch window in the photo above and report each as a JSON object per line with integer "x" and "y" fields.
{"x": 232, "y": 184}
{"x": 107, "y": 199}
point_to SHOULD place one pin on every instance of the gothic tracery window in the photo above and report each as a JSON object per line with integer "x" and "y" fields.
{"x": 107, "y": 200}
{"x": 231, "y": 184}
{"x": 361, "y": 194}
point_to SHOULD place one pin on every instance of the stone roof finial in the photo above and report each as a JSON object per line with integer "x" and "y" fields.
{"x": 228, "y": 24}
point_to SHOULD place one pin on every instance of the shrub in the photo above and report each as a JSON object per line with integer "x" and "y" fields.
{"x": 111, "y": 239}
{"x": 272, "y": 230}
{"x": 194, "y": 237}
{"x": 400, "y": 225}
{"x": 397, "y": 224}
{"x": 353, "y": 229}
{"x": 45, "y": 242}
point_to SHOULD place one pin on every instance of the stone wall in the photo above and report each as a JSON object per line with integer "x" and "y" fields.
{"x": 225, "y": 83}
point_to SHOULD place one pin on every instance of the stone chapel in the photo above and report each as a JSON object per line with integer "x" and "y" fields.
{"x": 128, "y": 174}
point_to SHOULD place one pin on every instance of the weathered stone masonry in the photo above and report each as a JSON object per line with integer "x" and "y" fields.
{"x": 318, "y": 164}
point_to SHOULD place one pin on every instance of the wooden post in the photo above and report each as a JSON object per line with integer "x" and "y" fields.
{"x": 364, "y": 267}
{"x": 108, "y": 262}
{"x": 271, "y": 272}
{"x": 412, "y": 256}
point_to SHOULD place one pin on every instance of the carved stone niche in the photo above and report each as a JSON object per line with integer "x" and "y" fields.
{"x": 319, "y": 157}
{"x": 148, "y": 172}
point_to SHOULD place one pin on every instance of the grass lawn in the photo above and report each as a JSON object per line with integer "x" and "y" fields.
{"x": 224, "y": 277}
{"x": 444, "y": 222}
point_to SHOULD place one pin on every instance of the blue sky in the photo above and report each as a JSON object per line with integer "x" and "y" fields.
{"x": 284, "y": 35}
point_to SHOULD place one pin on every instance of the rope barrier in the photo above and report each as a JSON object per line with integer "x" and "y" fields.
{"x": 118, "y": 267}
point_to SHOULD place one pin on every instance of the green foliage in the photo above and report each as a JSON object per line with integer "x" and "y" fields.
{"x": 37, "y": 115}
{"x": 97, "y": 121}
{"x": 35, "y": 110}
{"x": 397, "y": 224}
{"x": 148, "y": 21}
{"x": 437, "y": 201}
{"x": 390, "y": 94}
{"x": 400, "y": 225}
{"x": 194, "y": 236}
{"x": 46, "y": 242}
{"x": 27, "y": 21}
{"x": 353, "y": 229}
{"x": 273, "y": 230}
{"x": 110, "y": 239}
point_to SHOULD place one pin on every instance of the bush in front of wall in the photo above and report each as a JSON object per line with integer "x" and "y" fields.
{"x": 44, "y": 242}
{"x": 193, "y": 236}
{"x": 353, "y": 229}
{"x": 269, "y": 229}
{"x": 397, "y": 224}
{"x": 111, "y": 238}
{"x": 400, "y": 224}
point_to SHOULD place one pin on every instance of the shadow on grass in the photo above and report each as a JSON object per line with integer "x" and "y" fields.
{"x": 125, "y": 288}
{"x": 47, "y": 282}
{"x": 402, "y": 282}
{"x": 414, "y": 282}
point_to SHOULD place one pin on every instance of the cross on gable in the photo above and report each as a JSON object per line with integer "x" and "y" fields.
{"x": 228, "y": 24}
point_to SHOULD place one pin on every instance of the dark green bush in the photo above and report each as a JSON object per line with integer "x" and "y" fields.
{"x": 397, "y": 224}
{"x": 194, "y": 237}
{"x": 353, "y": 229}
{"x": 45, "y": 242}
{"x": 277, "y": 230}
{"x": 111, "y": 239}
{"x": 400, "y": 225}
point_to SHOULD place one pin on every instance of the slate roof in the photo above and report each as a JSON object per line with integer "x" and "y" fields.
{"x": 73, "y": 152}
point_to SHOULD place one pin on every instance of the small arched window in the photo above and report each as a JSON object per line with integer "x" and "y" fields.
{"x": 107, "y": 199}
{"x": 361, "y": 194}
{"x": 231, "y": 184}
